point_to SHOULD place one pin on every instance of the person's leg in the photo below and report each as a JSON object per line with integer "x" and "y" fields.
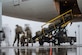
{"x": 23, "y": 43}
{"x": 15, "y": 40}
{"x": 18, "y": 39}
{"x": 7, "y": 40}
{"x": 27, "y": 41}
{"x": 31, "y": 40}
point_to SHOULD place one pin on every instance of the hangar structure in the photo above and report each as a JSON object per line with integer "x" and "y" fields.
{"x": 41, "y": 10}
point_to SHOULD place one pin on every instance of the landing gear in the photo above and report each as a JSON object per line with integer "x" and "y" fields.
{"x": 72, "y": 42}
{"x": 57, "y": 42}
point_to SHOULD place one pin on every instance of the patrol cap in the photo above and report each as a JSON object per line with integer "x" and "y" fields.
{"x": 27, "y": 25}
{"x": 17, "y": 25}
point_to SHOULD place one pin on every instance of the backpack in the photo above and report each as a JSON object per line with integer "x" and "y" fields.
{"x": 19, "y": 29}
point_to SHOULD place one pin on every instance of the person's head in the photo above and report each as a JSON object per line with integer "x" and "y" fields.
{"x": 26, "y": 25}
{"x": 17, "y": 25}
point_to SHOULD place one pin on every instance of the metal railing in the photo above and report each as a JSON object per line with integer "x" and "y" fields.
{"x": 60, "y": 17}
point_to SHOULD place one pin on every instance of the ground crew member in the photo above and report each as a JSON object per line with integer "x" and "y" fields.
{"x": 18, "y": 31}
{"x": 22, "y": 39}
{"x": 7, "y": 31}
{"x": 28, "y": 34}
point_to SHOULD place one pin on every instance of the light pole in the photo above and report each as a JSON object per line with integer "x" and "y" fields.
{"x": 79, "y": 37}
{"x": 75, "y": 34}
{"x": 0, "y": 20}
{"x": 79, "y": 34}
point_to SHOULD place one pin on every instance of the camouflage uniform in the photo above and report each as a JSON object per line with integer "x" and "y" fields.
{"x": 18, "y": 31}
{"x": 29, "y": 34}
{"x": 22, "y": 40}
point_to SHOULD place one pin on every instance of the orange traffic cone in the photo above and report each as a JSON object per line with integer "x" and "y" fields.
{"x": 50, "y": 51}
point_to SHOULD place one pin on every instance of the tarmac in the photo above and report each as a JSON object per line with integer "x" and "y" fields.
{"x": 42, "y": 50}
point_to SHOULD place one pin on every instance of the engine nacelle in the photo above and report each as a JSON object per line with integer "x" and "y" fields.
{"x": 80, "y": 5}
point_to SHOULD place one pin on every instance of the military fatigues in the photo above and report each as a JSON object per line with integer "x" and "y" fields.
{"x": 18, "y": 31}
{"x": 22, "y": 40}
{"x": 28, "y": 34}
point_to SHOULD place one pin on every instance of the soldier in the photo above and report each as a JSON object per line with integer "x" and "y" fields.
{"x": 7, "y": 32}
{"x": 22, "y": 40}
{"x": 18, "y": 31}
{"x": 28, "y": 33}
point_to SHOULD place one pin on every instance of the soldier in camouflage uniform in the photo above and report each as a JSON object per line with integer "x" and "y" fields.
{"x": 22, "y": 39}
{"x": 28, "y": 34}
{"x": 18, "y": 31}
